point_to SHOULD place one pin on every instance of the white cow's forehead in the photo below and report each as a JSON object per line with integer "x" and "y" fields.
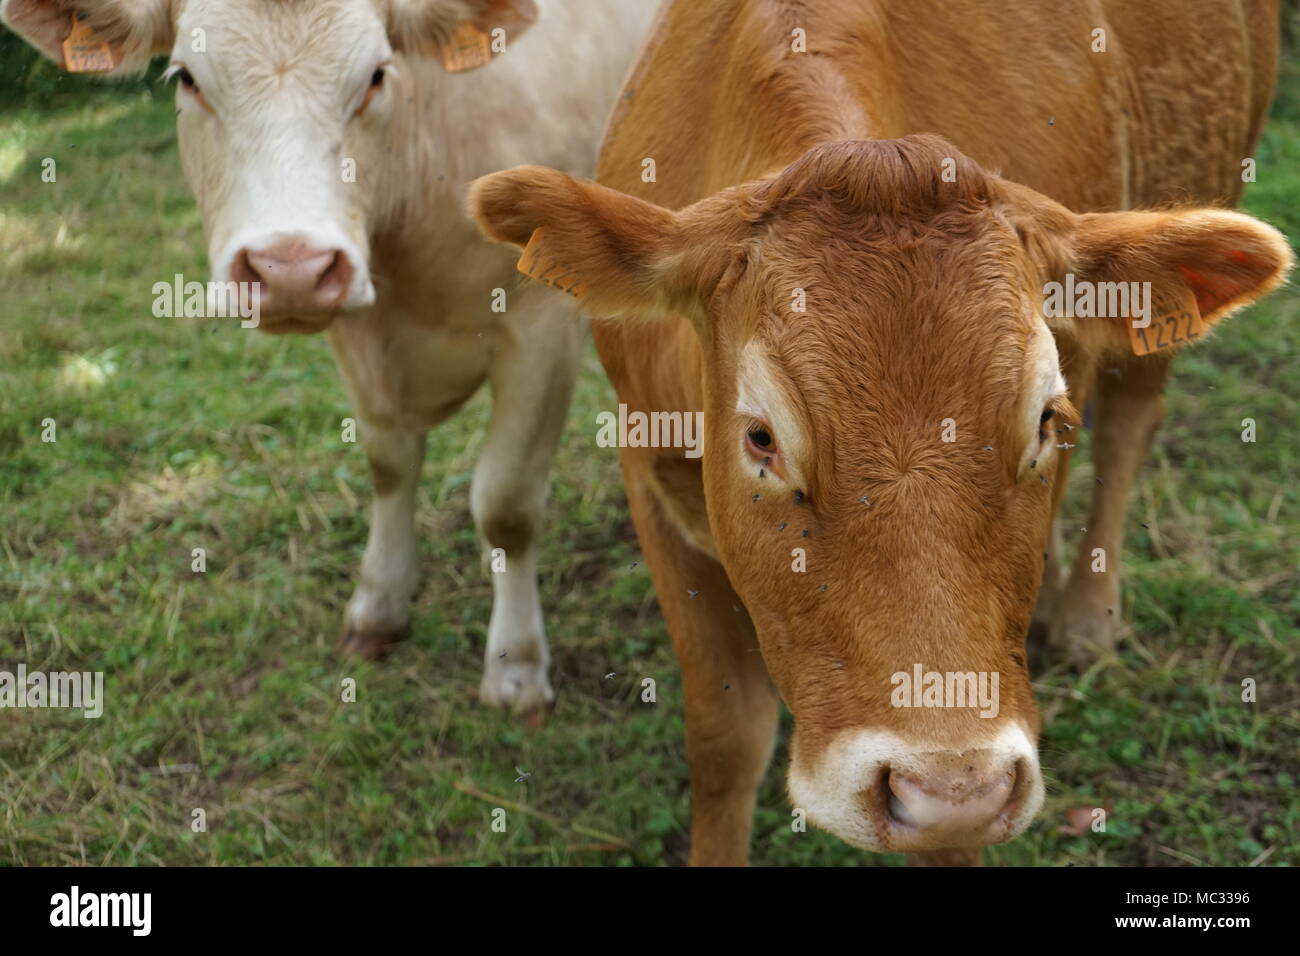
{"x": 253, "y": 37}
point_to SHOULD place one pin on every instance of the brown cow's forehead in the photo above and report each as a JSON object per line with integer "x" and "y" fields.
{"x": 908, "y": 321}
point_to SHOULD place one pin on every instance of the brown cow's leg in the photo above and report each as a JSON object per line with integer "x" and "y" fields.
{"x": 731, "y": 707}
{"x": 1129, "y": 403}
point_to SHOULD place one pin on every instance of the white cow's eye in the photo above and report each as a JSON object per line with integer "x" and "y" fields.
{"x": 376, "y": 84}
{"x": 187, "y": 83}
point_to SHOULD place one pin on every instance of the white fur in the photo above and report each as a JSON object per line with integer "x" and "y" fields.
{"x": 1043, "y": 383}
{"x": 760, "y": 397}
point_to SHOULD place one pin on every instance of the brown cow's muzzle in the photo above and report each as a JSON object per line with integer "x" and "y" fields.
{"x": 941, "y": 800}
{"x": 873, "y": 790}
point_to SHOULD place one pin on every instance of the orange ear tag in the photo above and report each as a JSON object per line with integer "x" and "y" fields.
{"x": 534, "y": 265}
{"x": 1175, "y": 320}
{"x": 468, "y": 49}
{"x": 85, "y": 51}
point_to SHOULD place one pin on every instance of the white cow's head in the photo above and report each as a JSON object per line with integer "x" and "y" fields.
{"x": 284, "y": 112}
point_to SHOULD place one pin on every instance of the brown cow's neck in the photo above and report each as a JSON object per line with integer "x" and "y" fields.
{"x": 760, "y": 108}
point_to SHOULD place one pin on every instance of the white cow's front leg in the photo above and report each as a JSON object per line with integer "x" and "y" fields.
{"x": 532, "y": 382}
{"x": 379, "y": 613}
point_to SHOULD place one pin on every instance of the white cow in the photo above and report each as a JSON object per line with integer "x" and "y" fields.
{"x": 328, "y": 143}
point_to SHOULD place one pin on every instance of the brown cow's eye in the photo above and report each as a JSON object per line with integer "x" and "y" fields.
{"x": 1042, "y": 423}
{"x": 761, "y": 447}
{"x": 377, "y": 78}
{"x": 761, "y": 438}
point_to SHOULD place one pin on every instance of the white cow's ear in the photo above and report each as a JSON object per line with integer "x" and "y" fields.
{"x": 113, "y": 36}
{"x": 461, "y": 34}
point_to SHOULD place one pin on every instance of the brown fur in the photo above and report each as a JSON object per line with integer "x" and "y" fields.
{"x": 923, "y": 304}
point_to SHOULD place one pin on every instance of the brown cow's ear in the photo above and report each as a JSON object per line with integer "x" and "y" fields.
{"x": 461, "y": 34}
{"x": 1194, "y": 267}
{"x": 117, "y": 37}
{"x": 619, "y": 255}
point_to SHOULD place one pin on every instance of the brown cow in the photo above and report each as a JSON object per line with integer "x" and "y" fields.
{"x": 863, "y": 323}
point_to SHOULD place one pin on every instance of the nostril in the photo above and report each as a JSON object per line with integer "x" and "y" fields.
{"x": 1018, "y": 788}
{"x": 892, "y": 802}
{"x": 898, "y": 812}
{"x": 336, "y": 278}
{"x": 897, "y": 809}
{"x": 242, "y": 270}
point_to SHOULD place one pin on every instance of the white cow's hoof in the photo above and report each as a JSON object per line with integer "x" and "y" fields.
{"x": 374, "y": 624}
{"x": 372, "y": 644}
{"x": 522, "y": 687}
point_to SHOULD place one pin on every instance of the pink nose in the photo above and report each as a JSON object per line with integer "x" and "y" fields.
{"x": 295, "y": 276}
{"x": 952, "y": 799}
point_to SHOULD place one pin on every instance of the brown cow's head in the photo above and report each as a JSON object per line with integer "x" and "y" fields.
{"x": 285, "y": 115}
{"x": 901, "y": 431}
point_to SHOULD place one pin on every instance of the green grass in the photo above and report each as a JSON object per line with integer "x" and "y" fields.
{"x": 173, "y": 434}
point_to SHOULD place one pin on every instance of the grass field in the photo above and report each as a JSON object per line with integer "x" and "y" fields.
{"x": 223, "y": 691}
